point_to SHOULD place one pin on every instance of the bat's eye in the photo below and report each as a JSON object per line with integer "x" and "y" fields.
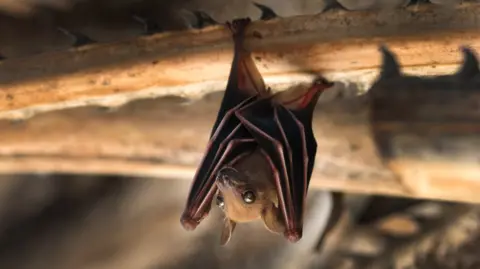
{"x": 248, "y": 197}
{"x": 220, "y": 202}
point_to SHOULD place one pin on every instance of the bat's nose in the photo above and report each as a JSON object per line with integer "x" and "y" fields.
{"x": 223, "y": 183}
{"x": 225, "y": 177}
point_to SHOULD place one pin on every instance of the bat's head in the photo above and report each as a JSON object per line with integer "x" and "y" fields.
{"x": 246, "y": 192}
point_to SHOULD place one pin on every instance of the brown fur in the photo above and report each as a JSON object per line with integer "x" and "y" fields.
{"x": 252, "y": 172}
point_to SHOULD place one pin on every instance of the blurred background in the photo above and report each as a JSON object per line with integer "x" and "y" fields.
{"x": 103, "y": 222}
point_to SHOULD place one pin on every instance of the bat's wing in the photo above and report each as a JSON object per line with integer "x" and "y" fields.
{"x": 287, "y": 137}
{"x": 244, "y": 86}
{"x": 203, "y": 187}
{"x": 295, "y": 124}
{"x": 294, "y": 136}
{"x": 303, "y": 115}
{"x": 261, "y": 119}
{"x": 244, "y": 80}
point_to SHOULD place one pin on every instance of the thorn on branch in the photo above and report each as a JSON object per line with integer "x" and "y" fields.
{"x": 267, "y": 13}
{"x": 79, "y": 39}
{"x": 150, "y": 27}
{"x": 203, "y": 19}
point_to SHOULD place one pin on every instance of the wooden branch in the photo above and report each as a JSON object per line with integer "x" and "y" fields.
{"x": 340, "y": 44}
{"x": 166, "y": 137}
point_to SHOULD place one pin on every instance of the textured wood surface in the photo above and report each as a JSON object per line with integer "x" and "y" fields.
{"x": 166, "y": 137}
{"x": 342, "y": 45}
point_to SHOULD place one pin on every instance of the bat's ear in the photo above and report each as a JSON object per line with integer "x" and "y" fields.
{"x": 272, "y": 218}
{"x": 227, "y": 231}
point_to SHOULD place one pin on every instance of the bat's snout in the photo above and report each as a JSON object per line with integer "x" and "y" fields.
{"x": 227, "y": 178}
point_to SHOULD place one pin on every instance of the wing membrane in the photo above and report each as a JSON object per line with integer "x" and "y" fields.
{"x": 294, "y": 136}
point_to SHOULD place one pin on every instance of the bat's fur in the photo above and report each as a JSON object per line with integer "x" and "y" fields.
{"x": 253, "y": 174}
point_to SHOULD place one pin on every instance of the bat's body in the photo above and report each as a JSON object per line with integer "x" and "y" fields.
{"x": 252, "y": 122}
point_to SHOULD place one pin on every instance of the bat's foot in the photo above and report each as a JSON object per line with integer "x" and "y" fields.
{"x": 238, "y": 26}
{"x": 188, "y": 222}
{"x": 293, "y": 236}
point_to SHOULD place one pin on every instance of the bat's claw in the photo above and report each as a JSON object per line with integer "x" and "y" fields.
{"x": 238, "y": 26}
{"x": 188, "y": 222}
{"x": 293, "y": 236}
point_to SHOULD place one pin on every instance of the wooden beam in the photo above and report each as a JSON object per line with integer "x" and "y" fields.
{"x": 340, "y": 44}
{"x": 166, "y": 137}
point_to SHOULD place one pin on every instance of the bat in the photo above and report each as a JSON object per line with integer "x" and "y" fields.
{"x": 254, "y": 123}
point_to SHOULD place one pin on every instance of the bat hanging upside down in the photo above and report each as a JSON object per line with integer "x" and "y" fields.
{"x": 261, "y": 152}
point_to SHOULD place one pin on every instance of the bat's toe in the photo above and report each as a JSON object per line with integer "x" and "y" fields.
{"x": 237, "y": 26}
{"x": 293, "y": 235}
{"x": 188, "y": 223}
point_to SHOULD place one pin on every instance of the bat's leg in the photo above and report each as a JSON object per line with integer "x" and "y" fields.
{"x": 244, "y": 80}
